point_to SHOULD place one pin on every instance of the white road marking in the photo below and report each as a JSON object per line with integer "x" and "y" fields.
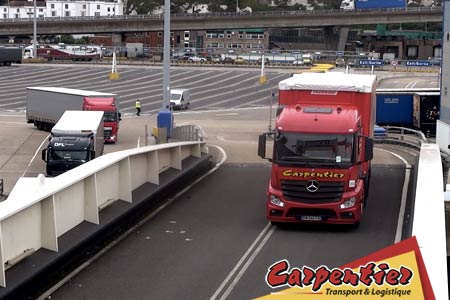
{"x": 258, "y": 244}
{"x": 34, "y": 156}
{"x": 401, "y": 215}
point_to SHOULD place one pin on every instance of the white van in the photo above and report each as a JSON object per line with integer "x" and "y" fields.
{"x": 179, "y": 98}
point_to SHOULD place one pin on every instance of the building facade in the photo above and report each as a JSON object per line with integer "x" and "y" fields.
{"x": 59, "y": 8}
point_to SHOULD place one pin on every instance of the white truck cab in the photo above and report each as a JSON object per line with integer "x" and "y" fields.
{"x": 179, "y": 98}
{"x": 348, "y": 5}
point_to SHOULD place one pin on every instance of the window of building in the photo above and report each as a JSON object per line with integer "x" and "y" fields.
{"x": 159, "y": 33}
{"x": 412, "y": 51}
{"x": 84, "y": 6}
{"x": 97, "y": 13}
{"x": 5, "y": 16}
{"x": 214, "y": 45}
{"x": 235, "y": 45}
{"x": 83, "y": 14}
{"x": 98, "y": 6}
{"x": 19, "y": 10}
{"x": 17, "y": 16}
{"x": 41, "y": 10}
{"x": 186, "y": 44}
{"x": 241, "y": 36}
{"x": 53, "y": 13}
{"x": 186, "y": 35}
{"x": 109, "y": 9}
{"x": 66, "y": 6}
{"x": 228, "y": 36}
{"x": 4, "y": 9}
{"x": 67, "y": 13}
{"x": 253, "y": 36}
{"x": 52, "y": 5}
{"x": 221, "y": 36}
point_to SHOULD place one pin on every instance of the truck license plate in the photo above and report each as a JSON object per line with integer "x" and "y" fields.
{"x": 311, "y": 218}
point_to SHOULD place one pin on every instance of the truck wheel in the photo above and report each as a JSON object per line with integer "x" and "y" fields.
{"x": 8, "y": 63}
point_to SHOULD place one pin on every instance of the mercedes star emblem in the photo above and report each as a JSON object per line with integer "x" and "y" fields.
{"x": 312, "y": 186}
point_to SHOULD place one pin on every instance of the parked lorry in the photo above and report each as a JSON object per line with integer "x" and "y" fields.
{"x": 394, "y": 108}
{"x": 74, "y": 142}
{"x": 407, "y": 107}
{"x": 372, "y": 4}
{"x": 322, "y": 148}
{"x": 64, "y": 52}
{"x": 45, "y": 105}
{"x": 426, "y": 108}
{"x": 10, "y": 55}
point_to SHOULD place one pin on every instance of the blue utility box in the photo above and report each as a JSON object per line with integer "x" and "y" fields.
{"x": 165, "y": 120}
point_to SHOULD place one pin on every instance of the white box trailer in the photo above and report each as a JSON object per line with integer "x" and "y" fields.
{"x": 45, "y": 105}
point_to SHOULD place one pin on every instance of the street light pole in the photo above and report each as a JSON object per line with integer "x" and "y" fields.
{"x": 34, "y": 31}
{"x": 165, "y": 116}
{"x": 237, "y": 6}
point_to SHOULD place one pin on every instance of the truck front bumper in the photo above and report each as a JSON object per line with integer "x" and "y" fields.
{"x": 281, "y": 210}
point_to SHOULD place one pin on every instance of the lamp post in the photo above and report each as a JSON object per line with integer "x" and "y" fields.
{"x": 34, "y": 31}
{"x": 165, "y": 115}
{"x": 237, "y": 6}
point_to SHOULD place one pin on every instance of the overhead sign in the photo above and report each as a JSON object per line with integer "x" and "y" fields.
{"x": 418, "y": 63}
{"x": 370, "y": 62}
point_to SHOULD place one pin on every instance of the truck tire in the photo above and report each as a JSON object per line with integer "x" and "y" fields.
{"x": 8, "y": 63}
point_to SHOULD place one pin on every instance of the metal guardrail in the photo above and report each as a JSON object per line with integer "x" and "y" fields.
{"x": 40, "y": 210}
{"x": 401, "y": 135}
{"x": 188, "y": 133}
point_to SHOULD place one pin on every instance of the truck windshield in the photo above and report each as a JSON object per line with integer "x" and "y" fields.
{"x": 312, "y": 147}
{"x": 68, "y": 155}
{"x": 175, "y": 96}
{"x": 110, "y": 116}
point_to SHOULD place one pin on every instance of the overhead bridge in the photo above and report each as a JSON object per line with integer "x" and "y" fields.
{"x": 222, "y": 21}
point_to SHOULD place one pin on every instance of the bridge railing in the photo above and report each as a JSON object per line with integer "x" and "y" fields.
{"x": 40, "y": 210}
{"x": 234, "y": 14}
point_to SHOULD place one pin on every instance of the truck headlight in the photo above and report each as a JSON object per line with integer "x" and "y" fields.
{"x": 352, "y": 183}
{"x": 350, "y": 202}
{"x": 275, "y": 200}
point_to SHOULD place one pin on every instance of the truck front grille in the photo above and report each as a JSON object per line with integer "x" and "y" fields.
{"x": 107, "y": 134}
{"x": 328, "y": 191}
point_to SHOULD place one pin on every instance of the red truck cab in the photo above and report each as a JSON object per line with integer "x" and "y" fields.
{"x": 111, "y": 116}
{"x": 322, "y": 147}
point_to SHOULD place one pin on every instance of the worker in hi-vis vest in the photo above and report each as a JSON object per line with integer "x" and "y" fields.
{"x": 138, "y": 107}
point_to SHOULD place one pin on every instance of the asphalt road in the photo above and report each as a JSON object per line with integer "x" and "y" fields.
{"x": 189, "y": 249}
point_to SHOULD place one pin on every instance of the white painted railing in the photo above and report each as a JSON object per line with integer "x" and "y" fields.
{"x": 39, "y": 210}
{"x": 429, "y": 218}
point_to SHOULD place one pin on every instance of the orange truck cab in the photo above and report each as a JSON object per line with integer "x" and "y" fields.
{"x": 322, "y": 148}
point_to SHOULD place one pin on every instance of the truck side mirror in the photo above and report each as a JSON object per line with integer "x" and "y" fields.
{"x": 44, "y": 155}
{"x": 368, "y": 154}
{"x": 262, "y": 146}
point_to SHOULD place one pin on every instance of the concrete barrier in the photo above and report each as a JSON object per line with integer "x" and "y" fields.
{"x": 40, "y": 212}
{"x": 429, "y": 218}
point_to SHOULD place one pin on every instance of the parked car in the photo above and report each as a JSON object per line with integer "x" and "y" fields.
{"x": 239, "y": 60}
{"x": 194, "y": 58}
{"x": 298, "y": 62}
{"x": 227, "y": 60}
{"x": 340, "y": 62}
{"x": 435, "y": 61}
{"x": 213, "y": 58}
